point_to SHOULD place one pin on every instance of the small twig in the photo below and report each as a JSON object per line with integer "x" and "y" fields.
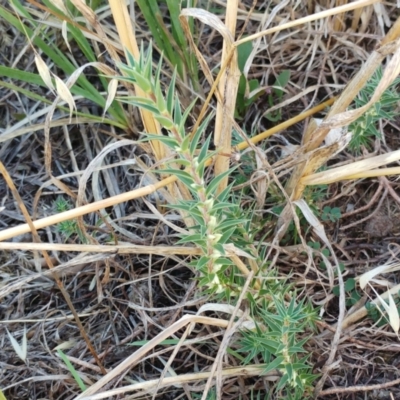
{"x": 366, "y": 207}
{"x": 383, "y": 180}
{"x": 343, "y": 228}
{"x": 360, "y": 388}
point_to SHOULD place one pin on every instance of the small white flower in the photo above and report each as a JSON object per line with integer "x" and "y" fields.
{"x": 216, "y": 254}
{"x": 212, "y": 223}
{"x": 209, "y": 203}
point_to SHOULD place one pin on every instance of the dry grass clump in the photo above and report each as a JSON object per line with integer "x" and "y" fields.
{"x": 93, "y": 278}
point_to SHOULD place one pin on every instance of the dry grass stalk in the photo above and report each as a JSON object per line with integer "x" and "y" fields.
{"x": 138, "y": 354}
{"x": 83, "y": 210}
{"x": 227, "y": 81}
{"x": 313, "y": 139}
{"x": 362, "y": 312}
{"x": 232, "y": 327}
{"x": 148, "y": 386}
{"x": 128, "y": 40}
{"x": 356, "y": 170}
{"x": 323, "y": 14}
{"x": 338, "y": 20}
{"x": 127, "y": 37}
{"x": 113, "y": 249}
{"x": 228, "y": 87}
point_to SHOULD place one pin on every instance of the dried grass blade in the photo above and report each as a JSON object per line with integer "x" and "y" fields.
{"x": 367, "y": 276}
{"x": 138, "y": 354}
{"x": 228, "y": 83}
{"x": 20, "y": 349}
{"x": 128, "y": 40}
{"x": 44, "y": 72}
{"x": 350, "y": 170}
{"x": 228, "y": 87}
{"x": 391, "y": 309}
{"x": 300, "y": 21}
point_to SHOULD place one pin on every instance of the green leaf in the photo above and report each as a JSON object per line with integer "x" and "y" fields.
{"x": 185, "y": 144}
{"x": 349, "y": 285}
{"x": 186, "y": 206}
{"x": 141, "y": 102}
{"x": 202, "y": 262}
{"x": 178, "y": 115}
{"x": 224, "y": 206}
{"x": 165, "y": 121}
{"x": 273, "y": 365}
{"x": 195, "y": 238}
{"x": 2, "y": 397}
{"x": 289, "y": 371}
{"x": 243, "y": 53}
{"x": 72, "y": 370}
{"x": 225, "y": 193}
{"x": 181, "y": 175}
{"x": 227, "y": 235}
{"x": 186, "y": 114}
{"x": 196, "y": 137}
{"x": 140, "y": 80}
{"x": 82, "y": 86}
{"x": 282, "y": 382}
{"x": 281, "y": 81}
{"x": 230, "y": 222}
{"x": 171, "y": 93}
{"x": 164, "y": 40}
{"x": 212, "y": 186}
{"x": 224, "y": 261}
{"x": 169, "y": 141}
{"x": 204, "y": 150}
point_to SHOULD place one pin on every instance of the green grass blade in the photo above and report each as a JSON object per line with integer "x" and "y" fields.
{"x": 86, "y": 89}
{"x": 73, "y": 371}
{"x": 36, "y": 97}
{"x": 163, "y": 38}
{"x": 190, "y": 60}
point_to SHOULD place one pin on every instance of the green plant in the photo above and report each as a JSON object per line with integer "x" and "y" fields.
{"x": 249, "y": 90}
{"x": 352, "y": 294}
{"x": 331, "y": 214}
{"x": 211, "y": 395}
{"x": 245, "y": 87}
{"x": 364, "y": 129}
{"x": 313, "y": 195}
{"x": 276, "y": 95}
{"x": 275, "y": 341}
{"x": 67, "y": 228}
{"x": 207, "y": 209}
{"x": 220, "y": 221}
{"x": 172, "y": 43}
